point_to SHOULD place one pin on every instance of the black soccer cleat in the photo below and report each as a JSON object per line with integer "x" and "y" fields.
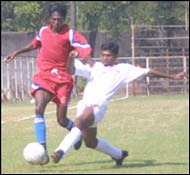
{"x": 56, "y": 156}
{"x": 120, "y": 161}
{"x": 78, "y": 144}
{"x": 45, "y": 160}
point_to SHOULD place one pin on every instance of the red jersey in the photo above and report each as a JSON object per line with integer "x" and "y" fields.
{"x": 55, "y": 47}
{"x": 51, "y": 61}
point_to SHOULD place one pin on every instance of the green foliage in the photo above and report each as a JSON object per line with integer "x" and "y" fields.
{"x": 180, "y": 10}
{"x": 116, "y": 17}
{"x": 112, "y": 16}
{"x": 171, "y": 12}
{"x": 20, "y": 16}
{"x": 88, "y": 15}
{"x": 27, "y": 15}
{"x": 7, "y": 15}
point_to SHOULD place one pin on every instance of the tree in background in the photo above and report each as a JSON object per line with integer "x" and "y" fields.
{"x": 94, "y": 16}
{"x": 20, "y": 15}
{"x": 25, "y": 16}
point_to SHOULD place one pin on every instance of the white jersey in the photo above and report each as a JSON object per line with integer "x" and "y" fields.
{"x": 105, "y": 81}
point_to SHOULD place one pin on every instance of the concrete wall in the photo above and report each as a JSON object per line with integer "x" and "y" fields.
{"x": 16, "y": 76}
{"x": 10, "y": 41}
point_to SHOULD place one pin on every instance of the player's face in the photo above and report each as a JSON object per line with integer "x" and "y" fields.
{"x": 56, "y": 21}
{"x": 107, "y": 57}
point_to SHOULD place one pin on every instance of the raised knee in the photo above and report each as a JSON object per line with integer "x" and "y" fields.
{"x": 78, "y": 123}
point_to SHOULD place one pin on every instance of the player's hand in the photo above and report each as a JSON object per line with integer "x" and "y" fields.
{"x": 10, "y": 57}
{"x": 180, "y": 76}
{"x": 73, "y": 54}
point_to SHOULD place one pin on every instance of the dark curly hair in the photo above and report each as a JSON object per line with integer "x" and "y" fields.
{"x": 111, "y": 46}
{"x": 60, "y": 8}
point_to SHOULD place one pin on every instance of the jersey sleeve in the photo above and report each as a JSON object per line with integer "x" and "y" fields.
{"x": 83, "y": 70}
{"x": 134, "y": 72}
{"x": 79, "y": 42}
{"x": 36, "y": 42}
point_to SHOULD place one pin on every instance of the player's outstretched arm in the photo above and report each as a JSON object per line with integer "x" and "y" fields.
{"x": 178, "y": 76}
{"x": 11, "y": 56}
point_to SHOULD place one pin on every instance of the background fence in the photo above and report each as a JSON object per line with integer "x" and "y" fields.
{"x": 164, "y": 47}
{"x": 155, "y": 85}
{"x": 16, "y": 77}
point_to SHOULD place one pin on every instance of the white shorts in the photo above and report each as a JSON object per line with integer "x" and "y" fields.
{"x": 99, "y": 111}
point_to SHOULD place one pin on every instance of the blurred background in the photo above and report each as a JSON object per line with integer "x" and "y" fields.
{"x": 150, "y": 34}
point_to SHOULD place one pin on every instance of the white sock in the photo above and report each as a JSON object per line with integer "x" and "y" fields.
{"x": 107, "y": 148}
{"x": 70, "y": 139}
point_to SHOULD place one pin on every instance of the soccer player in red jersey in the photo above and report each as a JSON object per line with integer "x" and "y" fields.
{"x": 53, "y": 81}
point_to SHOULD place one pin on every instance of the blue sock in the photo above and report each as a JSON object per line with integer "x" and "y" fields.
{"x": 69, "y": 124}
{"x": 40, "y": 129}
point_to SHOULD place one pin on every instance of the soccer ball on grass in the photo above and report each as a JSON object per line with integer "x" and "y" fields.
{"x": 34, "y": 153}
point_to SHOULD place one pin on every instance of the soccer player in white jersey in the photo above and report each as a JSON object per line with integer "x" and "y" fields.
{"x": 105, "y": 78}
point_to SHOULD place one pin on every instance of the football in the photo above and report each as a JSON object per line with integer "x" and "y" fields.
{"x": 34, "y": 153}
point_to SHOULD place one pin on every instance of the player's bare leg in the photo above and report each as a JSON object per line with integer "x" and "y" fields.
{"x": 89, "y": 137}
{"x": 62, "y": 117}
{"x": 42, "y": 97}
{"x": 84, "y": 120}
{"x": 66, "y": 122}
{"x": 91, "y": 141}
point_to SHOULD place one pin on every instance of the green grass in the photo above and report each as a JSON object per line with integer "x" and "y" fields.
{"x": 155, "y": 131}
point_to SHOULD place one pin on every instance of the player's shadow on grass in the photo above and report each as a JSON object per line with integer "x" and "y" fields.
{"x": 146, "y": 163}
{"x": 130, "y": 164}
{"x": 107, "y": 165}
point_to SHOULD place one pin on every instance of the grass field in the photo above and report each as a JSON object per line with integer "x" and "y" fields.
{"x": 154, "y": 129}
